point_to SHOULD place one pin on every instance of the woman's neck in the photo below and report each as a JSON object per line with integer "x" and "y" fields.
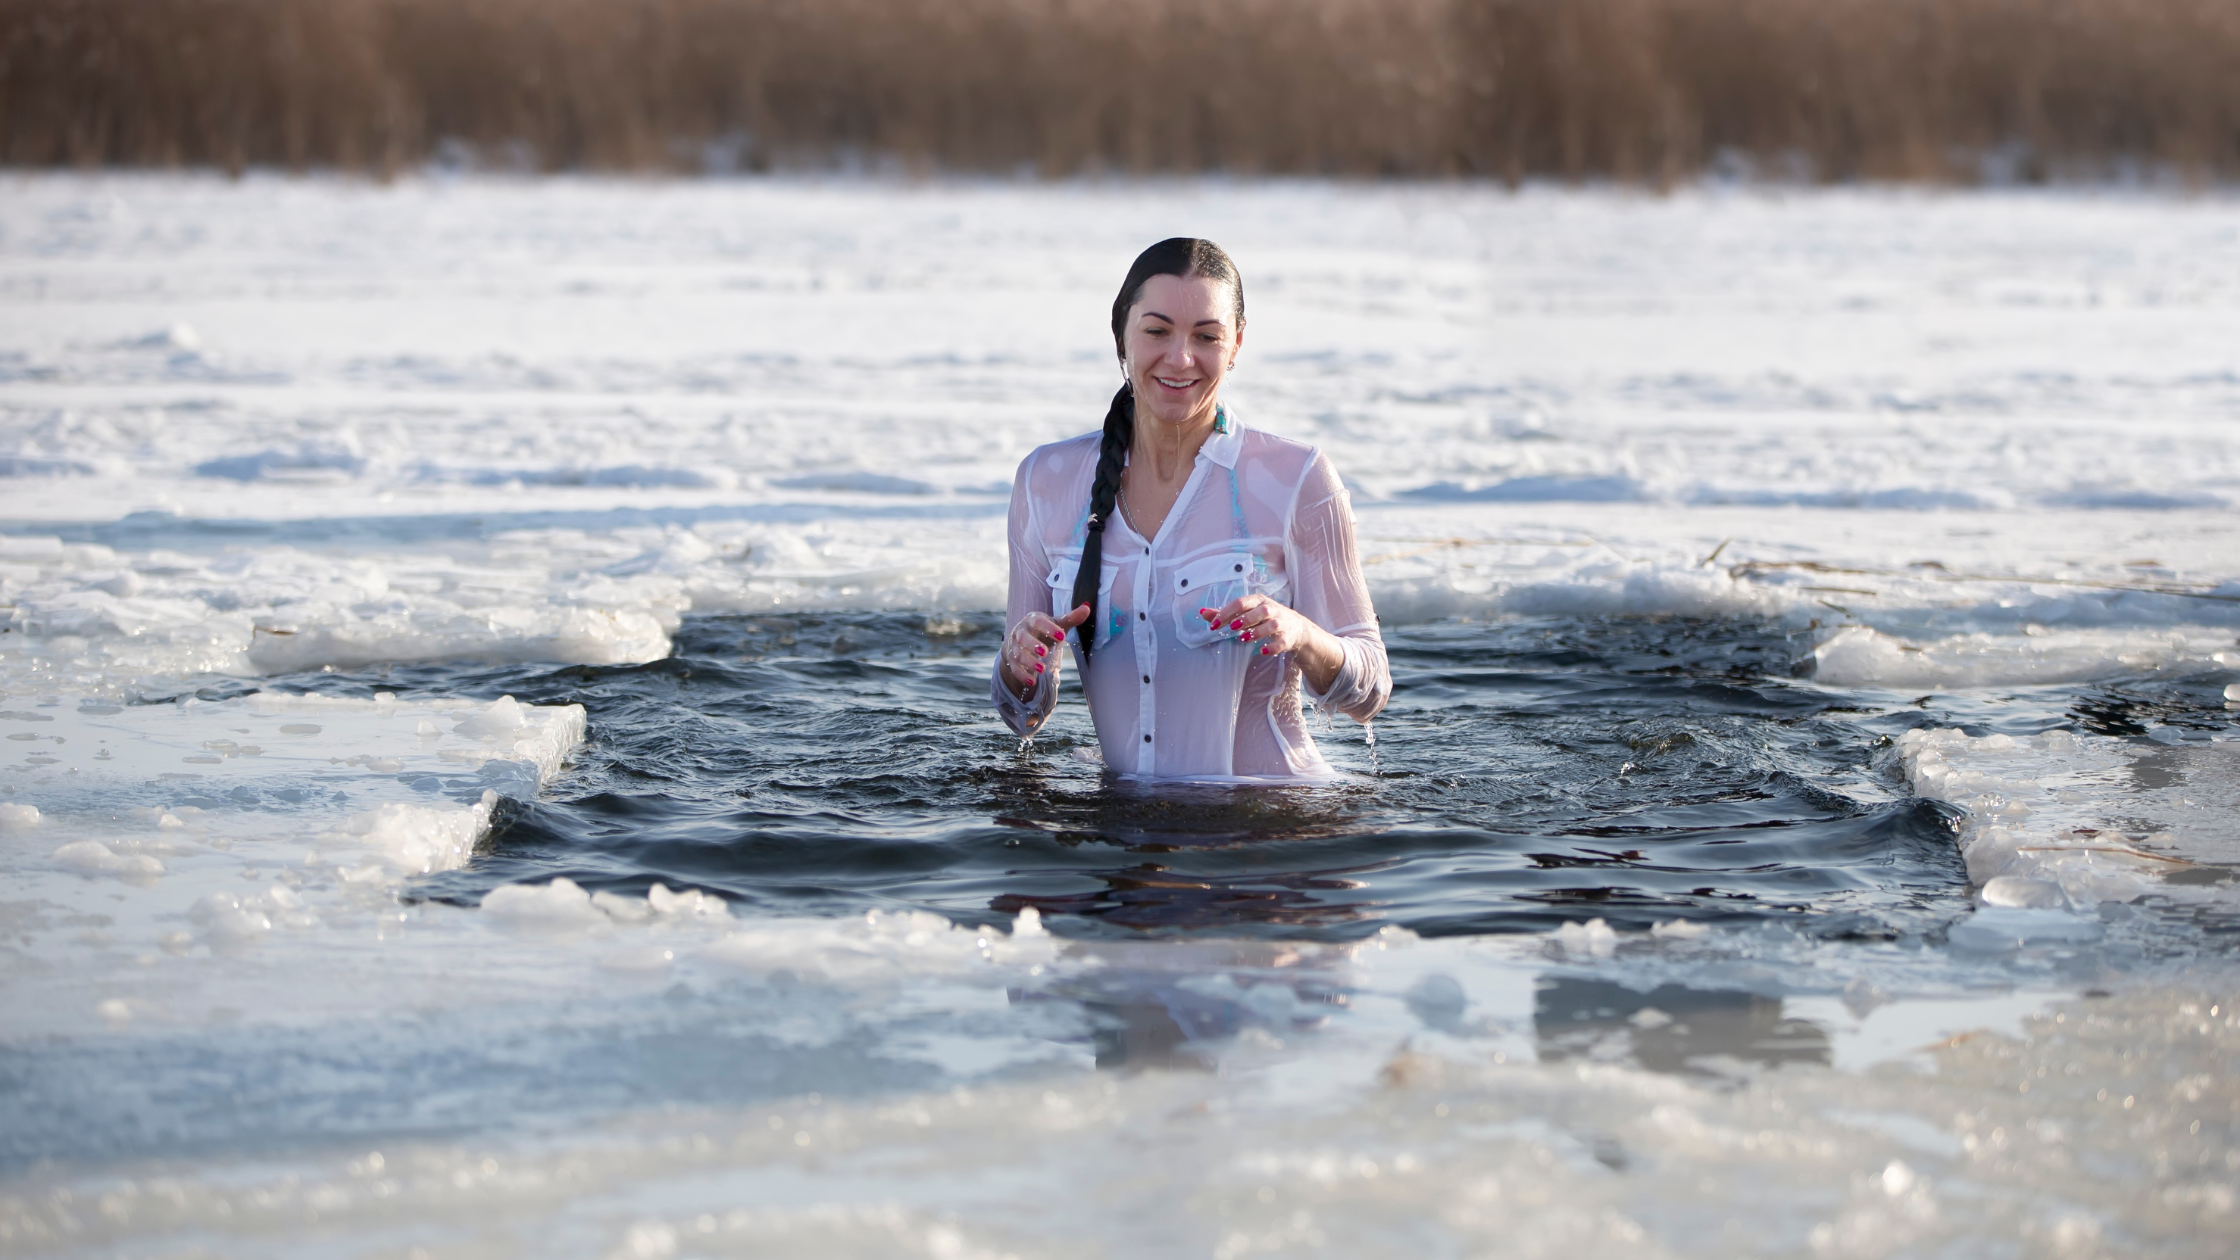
{"x": 1167, "y": 451}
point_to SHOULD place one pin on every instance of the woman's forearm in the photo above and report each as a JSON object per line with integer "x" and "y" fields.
{"x": 1320, "y": 657}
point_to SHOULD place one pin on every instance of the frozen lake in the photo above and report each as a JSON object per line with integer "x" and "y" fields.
{"x": 498, "y": 760}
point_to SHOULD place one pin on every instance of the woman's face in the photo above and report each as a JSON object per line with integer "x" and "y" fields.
{"x": 1181, "y": 339}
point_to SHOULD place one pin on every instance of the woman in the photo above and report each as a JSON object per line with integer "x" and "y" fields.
{"x": 1205, "y": 570}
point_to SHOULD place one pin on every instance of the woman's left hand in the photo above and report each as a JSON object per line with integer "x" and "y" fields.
{"x": 1276, "y": 629}
{"x": 1258, "y": 619}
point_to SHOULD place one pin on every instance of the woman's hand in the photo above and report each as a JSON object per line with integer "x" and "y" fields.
{"x": 1278, "y": 629}
{"x": 1031, "y": 649}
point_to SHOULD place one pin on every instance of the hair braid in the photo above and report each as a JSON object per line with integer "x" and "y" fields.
{"x": 1112, "y": 458}
{"x": 1175, "y": 256}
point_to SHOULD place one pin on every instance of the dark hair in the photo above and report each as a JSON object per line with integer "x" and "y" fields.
{"x": 1175, "y": 256}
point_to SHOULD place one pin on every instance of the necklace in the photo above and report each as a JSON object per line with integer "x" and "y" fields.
{"x": 1129, "y": 516}
{"x": 1220, "y": 423}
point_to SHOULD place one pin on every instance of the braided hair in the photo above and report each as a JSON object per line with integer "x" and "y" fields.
{"x": 1176, "y": 256}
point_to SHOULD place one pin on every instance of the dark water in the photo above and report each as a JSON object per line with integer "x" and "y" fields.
{"x": 1526, "y": 773}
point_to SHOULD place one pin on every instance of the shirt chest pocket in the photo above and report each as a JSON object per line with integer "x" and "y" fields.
{"x": 1064, "y": 565}
{"x": 1211, "y": 582}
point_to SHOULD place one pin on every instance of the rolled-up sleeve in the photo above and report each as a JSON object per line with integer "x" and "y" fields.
{"x": 1328, "y": 587}
{"x": 1027, "y": 595}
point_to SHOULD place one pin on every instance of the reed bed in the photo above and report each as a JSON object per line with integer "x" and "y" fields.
{"x": 1648, "y": 90}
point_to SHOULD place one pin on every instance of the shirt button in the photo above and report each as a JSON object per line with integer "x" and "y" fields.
{"x": 1147, "y": 739}
{"x": 1143, "y": 616}
{"x": 1147, "y": 678}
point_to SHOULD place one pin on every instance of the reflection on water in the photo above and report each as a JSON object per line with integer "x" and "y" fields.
{"x": 1150, "y": 895}
{"x": 1090, "y": 807}
{"x": 1177, "y": 1004}
{"x": 1671, "y": 1028}
{"x": 1183, "y": 1006}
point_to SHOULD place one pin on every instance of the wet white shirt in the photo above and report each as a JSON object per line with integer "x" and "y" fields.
{"x": 1171, "y": 697}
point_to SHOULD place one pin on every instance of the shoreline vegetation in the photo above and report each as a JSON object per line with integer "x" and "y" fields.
{"x": 1643, "y": 91}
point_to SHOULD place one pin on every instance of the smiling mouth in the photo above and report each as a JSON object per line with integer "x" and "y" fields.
{"x": 1173, "y": 384}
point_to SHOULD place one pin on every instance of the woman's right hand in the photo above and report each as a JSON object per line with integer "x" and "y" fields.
{"x": 1031, "y": 649}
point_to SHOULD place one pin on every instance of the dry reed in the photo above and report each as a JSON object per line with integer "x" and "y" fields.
{"x": 1649, "y": 90}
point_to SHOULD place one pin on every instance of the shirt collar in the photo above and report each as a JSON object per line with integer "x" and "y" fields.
{"x": 1222, "y": 447}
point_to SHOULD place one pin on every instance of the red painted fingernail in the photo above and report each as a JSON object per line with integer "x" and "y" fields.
{"x": 1040, "y": 650}
{"x": 1238, "y": 624}
{"x": 1246, "y": 636}
{"x": 1208, "y": 612}
{"x": 1038, "y": 667}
